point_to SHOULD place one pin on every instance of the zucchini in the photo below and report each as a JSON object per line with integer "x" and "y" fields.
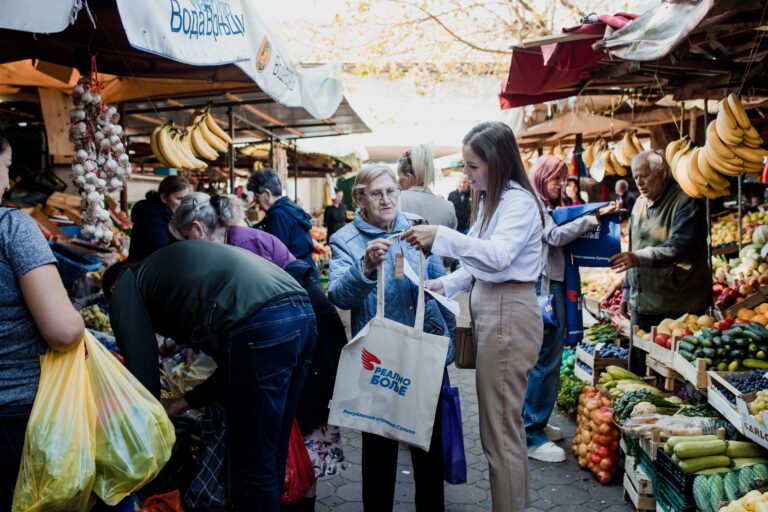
{"x": 674, "y": 440}
{"x": 692, "y": 340}
{"x": 688, "y": 356}
{"x": 736, "y": 354}
{"x": 742, "y": 462}
{"x": 709, "y": 352}
{"x": 743, "y": 449}
{"x": 731, "y": 485}
{"x": 755, "y": 364}
{"x": 690, "y": 449}
{"x": 716, "y": 491}
{"x": 676, "y": 459}
{"x": 710, "y": 461}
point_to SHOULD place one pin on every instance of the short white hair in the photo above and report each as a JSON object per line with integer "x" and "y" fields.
{"x": 653, "y": 159}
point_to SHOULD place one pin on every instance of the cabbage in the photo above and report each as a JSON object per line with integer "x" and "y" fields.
{"x": 760, "y": 236}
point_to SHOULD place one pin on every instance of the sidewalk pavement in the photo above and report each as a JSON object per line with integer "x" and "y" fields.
{"x": 560, "y": 487}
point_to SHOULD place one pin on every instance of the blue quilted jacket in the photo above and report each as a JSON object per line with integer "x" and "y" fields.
{"x": 349, "y": 288}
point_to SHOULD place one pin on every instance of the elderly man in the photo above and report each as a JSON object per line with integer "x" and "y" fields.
{"x": 462, "y": 203}
{"x": 666, "y": 265}
{"x": 626, "y": 197}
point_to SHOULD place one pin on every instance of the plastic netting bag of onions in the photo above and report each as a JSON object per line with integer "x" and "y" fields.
{"x": 101, "y": 165}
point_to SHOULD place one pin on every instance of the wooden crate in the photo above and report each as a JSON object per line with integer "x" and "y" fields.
{"x": 582, "y": 375}
{"x": 650, "y": 445}
{"x": 597, "y": 363}
{"x": 717, "y": 400}
{"x": 661, "y": 354}
{"x": 695, "y": 373}
{"x": 754, "y": 300}
{"x": 638, "y": 487}
{"x": 63, "y": 201}
{"x": 638, "y": 342}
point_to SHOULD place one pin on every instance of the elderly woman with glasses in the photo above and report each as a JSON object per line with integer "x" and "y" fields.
{"x": 361, "y": 249}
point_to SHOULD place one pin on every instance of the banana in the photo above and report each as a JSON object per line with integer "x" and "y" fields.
{"x": 618, "y": 167}
{"x": 727, "y": 127}
{"x": 673, "y": 147}
{"x": 676, "y": 157}
{"x": 185, "y": 142}
{"x": 747, "y": 154}
{"x": 201, "y": 147}
{"x": 636, "y": 142}
{"x": 739, "y": 114}
{"x": 168, "y": 148}
{"x": 625, "y": 150}
{"x": 608, "y": 163}
{"x": 213, "y": 141}
{"x": 719, "y": 146}
{"x": 212, "y": 125}
{"x": 155, "y": 147}
{"x": 586, "y": 155}
{"x": 720, "y": 164}
{"x": 682, "y": 177}
{"x": 714, "y": 178}
{"x": 692, "y": 168}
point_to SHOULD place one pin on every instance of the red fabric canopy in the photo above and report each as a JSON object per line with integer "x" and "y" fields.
{"x": 553, "y": 74}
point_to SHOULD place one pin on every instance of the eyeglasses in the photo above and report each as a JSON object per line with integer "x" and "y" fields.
{"x": 378, "y": 195}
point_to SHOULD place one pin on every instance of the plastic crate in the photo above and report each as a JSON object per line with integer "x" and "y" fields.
{"x": 677, "y": 484}
{"x": 71, "y": 264}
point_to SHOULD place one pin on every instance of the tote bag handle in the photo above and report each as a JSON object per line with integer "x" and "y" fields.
{"x": 419, "y": 323}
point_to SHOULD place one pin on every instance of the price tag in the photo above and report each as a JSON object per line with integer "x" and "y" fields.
{"x": 599, "y": 347}
{"x": 765, "y": 376}
{"x": 399, "y": 265}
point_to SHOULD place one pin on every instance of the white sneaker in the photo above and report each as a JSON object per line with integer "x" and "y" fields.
{"x": 547, "y": 452}
{"x": 553, "y": 433}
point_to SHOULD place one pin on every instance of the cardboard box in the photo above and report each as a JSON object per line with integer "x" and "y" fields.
{"x": 751, "y": 428}
{"x": 717, "y": 400}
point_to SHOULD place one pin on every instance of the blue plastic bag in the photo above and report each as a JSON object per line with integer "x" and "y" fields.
{"x": 454, "y": 460}
{"x": 595, "y": 247}
{"x": 574, "y": 318}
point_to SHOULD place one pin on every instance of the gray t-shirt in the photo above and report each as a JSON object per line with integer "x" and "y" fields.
{"x": 22, "y": 249}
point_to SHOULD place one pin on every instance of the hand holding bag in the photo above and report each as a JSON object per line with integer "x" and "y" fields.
{"x": 389, "y": 376}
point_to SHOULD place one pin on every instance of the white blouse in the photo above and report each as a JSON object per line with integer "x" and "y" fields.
{"x": 509, "y": 250}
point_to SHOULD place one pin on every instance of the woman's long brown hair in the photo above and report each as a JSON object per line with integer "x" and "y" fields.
{"x": 496, "y": 145}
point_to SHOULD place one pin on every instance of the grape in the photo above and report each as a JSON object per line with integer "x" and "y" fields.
{"x": 94, "y": 318}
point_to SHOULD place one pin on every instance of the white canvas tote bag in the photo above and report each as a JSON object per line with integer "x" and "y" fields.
{"x": 389, "y": 376}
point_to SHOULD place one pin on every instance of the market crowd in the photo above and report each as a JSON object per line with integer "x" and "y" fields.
{"x": 249, "y": 297}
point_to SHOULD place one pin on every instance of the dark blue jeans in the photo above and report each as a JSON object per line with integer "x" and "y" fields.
{"x": 543, "y": 379}
{"x": 13, "y": 424}
{"x": 270, "y": 356}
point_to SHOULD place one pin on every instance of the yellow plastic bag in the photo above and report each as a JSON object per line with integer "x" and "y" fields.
{"x": 134, "y": 436}
{"x": 57, "y": 465}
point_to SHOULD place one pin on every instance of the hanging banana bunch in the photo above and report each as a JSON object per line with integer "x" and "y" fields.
{"x": 188, "y": 148}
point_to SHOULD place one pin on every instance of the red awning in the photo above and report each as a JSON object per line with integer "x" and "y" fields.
{"x": 553, "y": 71}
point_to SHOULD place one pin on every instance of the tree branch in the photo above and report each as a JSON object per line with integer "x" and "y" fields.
{"x": 447, "y": 29}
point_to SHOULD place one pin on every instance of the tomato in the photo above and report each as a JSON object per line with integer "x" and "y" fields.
{"x": 687, "y": 332}
{"x": 668, "y": 344}
{"x": 661, "y": 339}
{"x": 741, "y": 321}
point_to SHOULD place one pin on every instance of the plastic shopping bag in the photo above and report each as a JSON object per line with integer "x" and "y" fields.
{"x": 594, "y": 248}
{"x": 134, "y": 436}
{"x": 299, "y": 473}
{"x": 454, "y": 459}
{"x": 57, "y": 465}
{"x": 168, "y": 502}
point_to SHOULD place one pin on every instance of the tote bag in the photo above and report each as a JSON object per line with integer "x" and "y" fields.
{"x": 390, "y": 376}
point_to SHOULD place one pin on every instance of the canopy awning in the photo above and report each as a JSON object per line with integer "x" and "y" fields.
{"x": 573, "y": 123}
{"x": 149, "y": 39}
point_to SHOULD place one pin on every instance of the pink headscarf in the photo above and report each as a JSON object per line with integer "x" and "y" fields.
{"x": 546, "y": 168}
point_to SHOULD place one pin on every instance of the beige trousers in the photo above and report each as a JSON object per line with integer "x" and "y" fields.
{"x": 508, "y": 333}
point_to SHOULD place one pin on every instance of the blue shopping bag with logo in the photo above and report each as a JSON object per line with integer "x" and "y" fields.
{"x": 389, "y": 376}
{"x": 454, "y": 459}
{"x": 574, "y": 318}
{"x": 594, "y": 248}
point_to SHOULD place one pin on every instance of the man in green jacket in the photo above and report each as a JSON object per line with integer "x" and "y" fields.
{"x": 254, "y": 319}
{"x": 666, "y": 265}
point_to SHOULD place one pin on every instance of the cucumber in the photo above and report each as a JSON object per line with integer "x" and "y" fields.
{"x": 701, "y": 493}
{"x": 716, "y": 491}
{"x": 692, "y": 340}
{"x": 736, "y": 354}
{"x": 755, "y": 364}
{"x": 686, "y": 346}
{"x": 744, "y": 449}
{"x": 731, "y": 485}
{"x": 742, "y": 462}
{"x": 691, "y": 449}
{"x": 688, "y": 356}
{"x": 710, "y": 461}
{"x": 709, "y": 352}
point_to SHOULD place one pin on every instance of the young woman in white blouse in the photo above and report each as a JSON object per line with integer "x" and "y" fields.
{"x": 500, "y": 262}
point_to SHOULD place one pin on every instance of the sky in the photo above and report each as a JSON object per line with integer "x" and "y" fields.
{"x": 397, "y": 112}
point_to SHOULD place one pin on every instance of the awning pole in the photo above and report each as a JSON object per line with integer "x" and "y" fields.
{"x": 295, "y": 172}
{"x": 231, "y": 116}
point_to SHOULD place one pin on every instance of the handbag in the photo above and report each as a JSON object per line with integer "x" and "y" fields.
{"x": 547, "y": 301}
{"x": 389, "y": 376}
{"x": 464, "y": 343}
{"x": 454, "y": 459}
